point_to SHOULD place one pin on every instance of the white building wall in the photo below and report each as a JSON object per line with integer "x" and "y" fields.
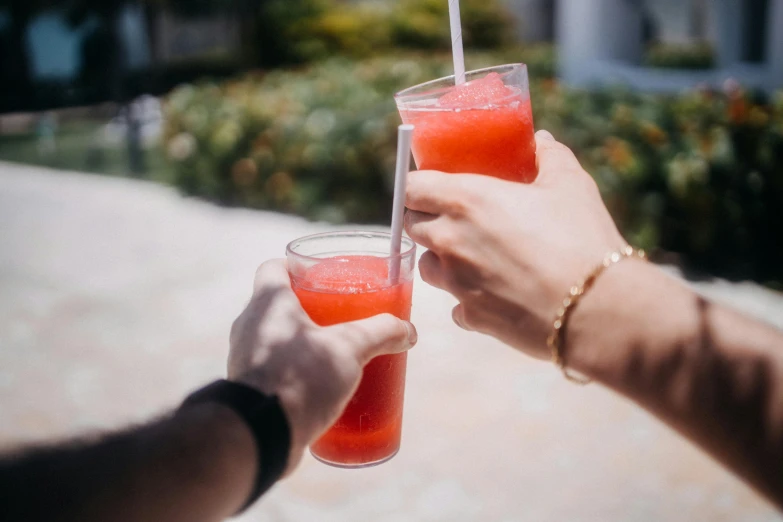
{"x": 597, "y": 30}
{"x": 534, "y": 20}
{"x": 600, "y": 42}
{"x": 729, "y": 27}
{"x": 775, "y": 45}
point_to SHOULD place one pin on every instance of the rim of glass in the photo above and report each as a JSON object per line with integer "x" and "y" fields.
{"x": 406, "y": 242}
{"x": 431, "y": 87}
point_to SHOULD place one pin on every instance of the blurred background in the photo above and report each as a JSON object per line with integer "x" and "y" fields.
{"x": 276, "y": 119}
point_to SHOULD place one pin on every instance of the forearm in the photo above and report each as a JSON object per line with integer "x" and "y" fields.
{"x": 196, "y": 466}
{"x": 712, "y": 374}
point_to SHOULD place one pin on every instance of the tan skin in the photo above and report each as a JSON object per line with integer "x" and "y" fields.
{"x": 200, "y": 464}
{"x": 276, "y": 348}
{"x": 511, "y": 252}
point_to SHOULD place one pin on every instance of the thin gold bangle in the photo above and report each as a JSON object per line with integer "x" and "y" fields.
{"x": 555, "y": 340}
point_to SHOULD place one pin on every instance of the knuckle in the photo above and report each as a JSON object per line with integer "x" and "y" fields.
{"x": 469, "y": 195}
{"x": 412, "y": 187}
{"x": 411, "y": 220}
{"x": 265, "y": 267}
{"x": 444, "y": 240}
{"x": 457, "y": 207}
{"x": 467, "y": 321}
{"x": 233, "y": 335}
{"x": 262, "y": 273}
{"x": 427, "y": 268}
{"x": 588, "y": 182}
{"x": 552, "y": 145}
{"x": 467, "y": 318}
{"x": 407, "y": 219}
{"x": 416, "y": 184}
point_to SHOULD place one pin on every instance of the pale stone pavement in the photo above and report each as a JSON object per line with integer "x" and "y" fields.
{"x": 116, "y": 299}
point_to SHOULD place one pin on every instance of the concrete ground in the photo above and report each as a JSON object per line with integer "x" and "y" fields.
{"x": 116, "y": 299}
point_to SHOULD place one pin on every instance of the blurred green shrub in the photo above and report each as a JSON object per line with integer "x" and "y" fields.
{"x": 298, "y": 31}
{"x": 318, "y": 142}
{"x": 681, "y": 56}
{"x": 284, "y": 31}
{"x": 424, "y": 24}
{"x": 700, "y": 174}
{"x": 356, "y": 30}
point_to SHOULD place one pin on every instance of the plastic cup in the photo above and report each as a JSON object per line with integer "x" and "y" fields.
{"x": 496, "y": 138}
{"x": 341, "y": 277}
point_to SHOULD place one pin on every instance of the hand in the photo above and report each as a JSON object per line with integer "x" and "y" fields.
{"x": 510, "y": 252}
{"x": 276, "y": 348}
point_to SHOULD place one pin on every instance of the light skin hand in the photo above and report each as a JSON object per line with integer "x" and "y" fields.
{"x": 314, "y": 371}
{"x": 510, "y": 252}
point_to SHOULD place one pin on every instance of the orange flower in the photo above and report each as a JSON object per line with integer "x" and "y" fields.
{"x": 738, "y": 110}
{"x": 653, "y": 134}
{"x": 618, "y": 153}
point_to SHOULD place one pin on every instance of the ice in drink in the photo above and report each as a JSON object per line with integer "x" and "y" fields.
{"x": 348, "y": 288}
{"x": 484, "y": 126}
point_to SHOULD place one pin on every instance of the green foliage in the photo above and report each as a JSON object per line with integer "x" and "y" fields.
{"x": 357, "y": 30}
{"x": 318, "y": 142}
{"x": 424, "y": 24}
{"x": 298, "y": 31}
{"x": 284, "y": 30}
{"x": 681, "y": 56}
{"x": 699, "y": 174}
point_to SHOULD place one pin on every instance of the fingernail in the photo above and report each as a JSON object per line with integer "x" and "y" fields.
{"x": 455, "y": 316}
{"x": 413, "y": 336}
{"x": 545, "y": 135}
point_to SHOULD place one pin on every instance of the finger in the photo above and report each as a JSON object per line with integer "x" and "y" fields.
{"x": 420, "y": 226}
{"x": 272, "y": 274}
{"x": 553, "y": 158}
{"x": 458, "y": 316}
{"x": 431, "y": 270}
{"x": 430, "y": 191}
{"x": 380, "y": 335}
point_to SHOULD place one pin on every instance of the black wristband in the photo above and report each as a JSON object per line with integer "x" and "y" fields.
{"x": 267, "y": 422}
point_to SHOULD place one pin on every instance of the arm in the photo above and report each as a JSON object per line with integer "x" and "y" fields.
{"x": 510, "y": 253}
{"x": 200, "y": 464}
{"x": 710, "y": 373}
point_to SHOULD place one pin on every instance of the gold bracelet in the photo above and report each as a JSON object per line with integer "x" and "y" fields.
{"x": 555, "y": 341}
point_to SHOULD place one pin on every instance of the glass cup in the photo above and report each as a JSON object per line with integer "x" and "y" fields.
{"x": 486, "y": 128}
{"x": 345, "y": 276}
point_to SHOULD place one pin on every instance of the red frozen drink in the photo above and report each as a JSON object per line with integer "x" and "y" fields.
{"x": 349, "y": 283}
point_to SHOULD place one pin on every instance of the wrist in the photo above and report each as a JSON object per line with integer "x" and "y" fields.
{"x": 632, "y": 310}
{"x": 218, "y": 449}
{"x": 263, "y": 418}
{"x": 292, "y": 402}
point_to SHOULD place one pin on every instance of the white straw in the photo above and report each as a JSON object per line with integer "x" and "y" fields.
{"x": 456, "y": 42}
{"x": 404, "y": 139}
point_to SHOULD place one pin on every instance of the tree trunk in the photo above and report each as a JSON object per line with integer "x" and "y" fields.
{"x": 120, "y": 94}
{"x": 248, "y": 38}
{"x": 151, "y": 13}
{"x": 17, "y": 82}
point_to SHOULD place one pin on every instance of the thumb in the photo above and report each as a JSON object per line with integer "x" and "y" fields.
{"x": 553, "y": 158}
{"x": 379, "y": 335}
